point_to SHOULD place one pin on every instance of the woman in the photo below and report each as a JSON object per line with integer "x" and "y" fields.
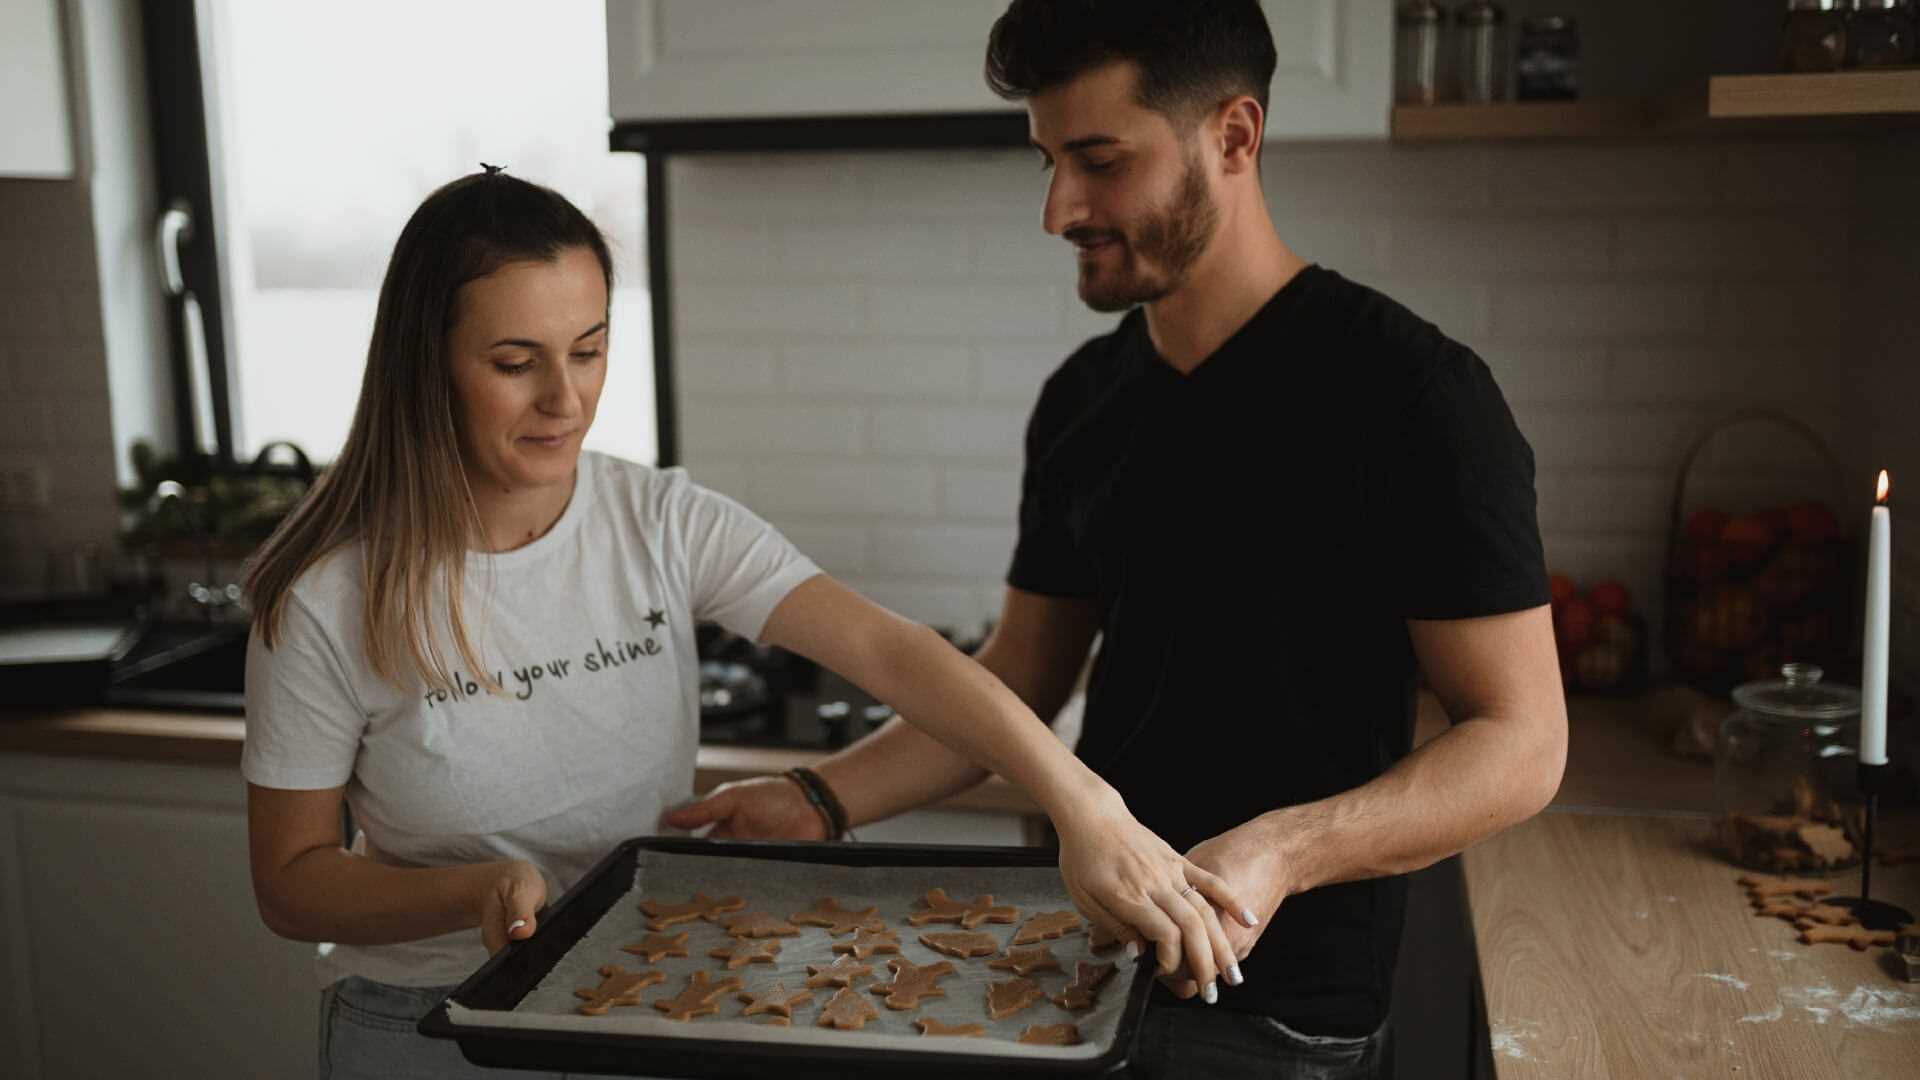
{"x": 480, "y": 639}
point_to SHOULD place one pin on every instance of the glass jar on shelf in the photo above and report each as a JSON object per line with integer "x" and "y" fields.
{"x": 1814, "y": 37}
{"x": 1418, "y": 30}
{"x": 1480, "y": 51}
{"x": 1783, "y": 775}
{"x": 1881, "y": 33}
{"x": 1546, "y": 64}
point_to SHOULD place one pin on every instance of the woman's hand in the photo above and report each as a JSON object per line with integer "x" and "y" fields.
{"x": 1252, "y": 862}
{"x": 1129, "y": 881}
{"x": 513, "y": 894}
{"x": 763, "y": 808}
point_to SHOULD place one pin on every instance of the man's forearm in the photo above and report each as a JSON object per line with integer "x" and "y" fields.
{"x": 895, "y": 769}
{"x": 1473, "y": 781}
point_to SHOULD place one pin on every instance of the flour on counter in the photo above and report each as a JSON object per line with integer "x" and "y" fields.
{"x": 1510, "y": 1039}
{"x": 1867, "y": 1006}
{"x": 1737, "y": 984}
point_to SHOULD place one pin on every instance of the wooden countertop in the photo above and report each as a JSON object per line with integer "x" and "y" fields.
{"x": 1614, "y": 944}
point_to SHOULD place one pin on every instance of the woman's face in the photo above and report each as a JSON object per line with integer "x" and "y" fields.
{"x": 529, "y": 356}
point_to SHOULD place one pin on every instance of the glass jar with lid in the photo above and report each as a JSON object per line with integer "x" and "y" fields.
{"x": 1480, "y": 51}
{"x": 1815, "y": 35}
{"x": 1783, "y": 775}
{"x": 1418, "y": 26}
{"x": 1881, "y": 33}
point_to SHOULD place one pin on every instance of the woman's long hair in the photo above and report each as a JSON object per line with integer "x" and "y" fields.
{"x": 398, "y": 485}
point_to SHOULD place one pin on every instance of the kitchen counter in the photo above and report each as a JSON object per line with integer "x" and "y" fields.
{"x": 1614, "y": 944}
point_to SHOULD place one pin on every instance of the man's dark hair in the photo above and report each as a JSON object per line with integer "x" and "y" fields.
{"x": 1192, "y": 54}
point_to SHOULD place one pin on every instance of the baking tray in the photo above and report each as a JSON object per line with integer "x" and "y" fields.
{"x": 737, "y": 1051}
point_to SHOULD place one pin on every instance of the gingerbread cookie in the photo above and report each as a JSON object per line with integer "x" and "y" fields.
{"x": 1047, "y": 926}
{"x": 1766, "y": 886}
{"x": 847, "y": 1011}
{"x": 827, "y": 912}
{"x": 619, "y": 987}
{"x": 775, "y": 1002}
{"x": 929, "y": 1026}
{"x": 841, "y": 972}
{"x": 759, "y": 924}
{"x": 1009, "y": 997}
{"x": 1829, "y": 914}
{"x": 700, "y": 998}
{"x": 963, "y": 945}
{"x": 1027, "y": 961}
{"x": 1051, "y": 1035}
{"x": 912, "y": 982}
{"x": 1857, "y": 936}
{"x": 1083, "y": 991}
{"x": 749, "y": 952}
{"x": 867, "y": 942}
{"x": 969, "y": 914}
{"x": 656, "y": 947}
{"x": 660, "y": 916}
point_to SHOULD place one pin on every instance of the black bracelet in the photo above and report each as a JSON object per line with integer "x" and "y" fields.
{"x": 821, "y": 796}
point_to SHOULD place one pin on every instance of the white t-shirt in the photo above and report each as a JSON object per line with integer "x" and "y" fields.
{"x": 589, "y": 629}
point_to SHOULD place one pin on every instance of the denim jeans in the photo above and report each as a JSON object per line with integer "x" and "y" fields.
{"x": 367, "y": 1033}
{"x": 1208, "y": 1044}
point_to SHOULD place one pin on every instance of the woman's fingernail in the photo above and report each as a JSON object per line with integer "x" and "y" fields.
{"x": 515, "y": 925}
{"x": 1211, "y": 993}
{"x": 1246, "y": 916}
{"x": 1233, "y": 975}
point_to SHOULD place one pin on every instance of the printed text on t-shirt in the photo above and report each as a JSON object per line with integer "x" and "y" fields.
{"x": 602, "y": 657}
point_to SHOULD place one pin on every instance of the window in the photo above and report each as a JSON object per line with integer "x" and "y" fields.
{"x": 327, "y": 126}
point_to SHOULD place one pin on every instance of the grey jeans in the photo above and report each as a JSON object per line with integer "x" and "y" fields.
{"x": 367, "y": 1033}
{"x": 1176, "y": 1043}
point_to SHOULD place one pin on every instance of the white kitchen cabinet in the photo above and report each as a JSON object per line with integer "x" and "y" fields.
{"x": 128, "y": 930}
{"x": 684, "y": 60}
{"x": 36, "y": 141}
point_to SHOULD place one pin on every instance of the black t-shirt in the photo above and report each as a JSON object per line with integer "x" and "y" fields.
{"x": 1257, "y": 533}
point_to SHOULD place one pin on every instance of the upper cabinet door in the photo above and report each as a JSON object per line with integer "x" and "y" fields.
{"x": 758, "y": 59}
{"x": 36, "y": 140}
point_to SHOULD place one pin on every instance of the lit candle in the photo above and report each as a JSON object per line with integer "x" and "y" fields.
{"x": 1873, "y": 675}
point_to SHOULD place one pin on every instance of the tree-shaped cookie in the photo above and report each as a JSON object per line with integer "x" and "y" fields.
{"x": 744, "y": 952}
{"x": 969, "y": 914}
{"x": 1100, "y": 939}
{"x": 867, "y": 942}
{"x": 847, "y": 1010}
{"x": 759, "y": 924}
{"x": 1051, "y": 1035}
{"x": 964, "y": 945}
{"x": 776, "y": 1003}
{"x": 1027, "y": 961}
{"x": 1047, "y": 926}
{"x": 1083, "y": 991}
{"x": 618, "y": 987}
{"x": 700, "y": 998}
{"x": 827, "y": 912}
{"x": 841, "y": 972}
{"x": 1009, "y": 997}
{"x": 656, "y": 947}
{"x": 660, "y": 916}
{"x": 912, "y": 982}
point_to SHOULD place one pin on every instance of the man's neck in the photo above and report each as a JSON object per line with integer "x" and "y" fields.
{"x": 1232, "y": 280}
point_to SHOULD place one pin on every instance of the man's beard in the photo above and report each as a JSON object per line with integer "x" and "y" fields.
{"x": 1169, "y": 239}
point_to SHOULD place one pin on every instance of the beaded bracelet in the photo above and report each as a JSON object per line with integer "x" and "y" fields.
{"x": 821, "y": 796}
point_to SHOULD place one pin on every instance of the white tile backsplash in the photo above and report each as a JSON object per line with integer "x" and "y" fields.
{"x": 1624, "y": 293}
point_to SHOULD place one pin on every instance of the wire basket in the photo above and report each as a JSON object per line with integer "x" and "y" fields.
{"x": 1748, "y": 593}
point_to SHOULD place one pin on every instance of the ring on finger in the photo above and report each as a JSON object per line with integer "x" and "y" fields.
{"x": 1188, "y": 891}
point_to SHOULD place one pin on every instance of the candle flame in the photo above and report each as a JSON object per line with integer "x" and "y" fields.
{"x": 1881, "y": 494}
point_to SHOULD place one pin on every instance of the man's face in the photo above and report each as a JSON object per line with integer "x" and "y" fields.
{"x": 1128, "y": 191}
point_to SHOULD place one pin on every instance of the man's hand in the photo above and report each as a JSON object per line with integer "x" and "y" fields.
{"x": 763, "y": 808}
{"x": 1257, "y": 871}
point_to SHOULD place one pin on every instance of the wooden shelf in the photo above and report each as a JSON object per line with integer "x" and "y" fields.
{"x": 1829, "y": 102}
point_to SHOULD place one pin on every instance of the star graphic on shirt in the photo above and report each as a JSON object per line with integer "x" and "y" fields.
{"x": 656, "y": 618}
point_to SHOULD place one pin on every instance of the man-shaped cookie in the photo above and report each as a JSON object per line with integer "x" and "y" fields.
{"x": 619, "y": 987}
{"x": 660, "y": 916}
{"x": 700, "y": 998}
{"x": 912, "y": 982}
{"x": 827, "y": 912}
{"x": 1047, "y": 926}
{"x": 969, "y": 914}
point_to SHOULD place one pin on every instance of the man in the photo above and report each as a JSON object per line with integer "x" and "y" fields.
{"x": 1270, "y": 493}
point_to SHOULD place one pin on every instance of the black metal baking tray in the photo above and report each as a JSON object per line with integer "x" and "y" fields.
{"x": 516, "y": 970}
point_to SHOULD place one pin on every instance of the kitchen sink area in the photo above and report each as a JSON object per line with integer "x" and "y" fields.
{"x": 199, "y": 666}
